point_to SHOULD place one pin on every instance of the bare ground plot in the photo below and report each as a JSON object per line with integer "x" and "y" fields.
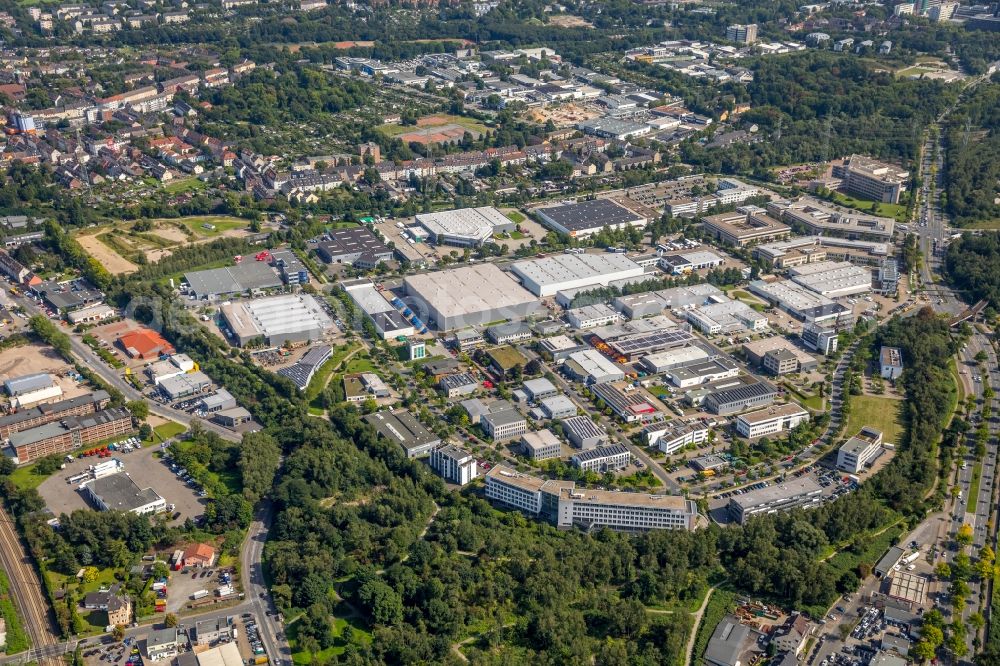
{"x": 570, "y": 21}
{"x": 565, "y": 115}
{"x": 31, "y": 359}
{"x": 111, "y": 260}
{"x": 145, "y": 469}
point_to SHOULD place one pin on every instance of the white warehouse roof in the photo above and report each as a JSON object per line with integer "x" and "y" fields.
{"x": 471, "y": 224}
{"x": 545, "y": 277}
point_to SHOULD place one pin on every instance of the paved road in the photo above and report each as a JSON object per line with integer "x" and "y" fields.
{"x": 89, "y": 358}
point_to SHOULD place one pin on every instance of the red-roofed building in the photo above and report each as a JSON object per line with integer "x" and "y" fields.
{"x": 145, "y": 344}
{"x": 199, "y": 555}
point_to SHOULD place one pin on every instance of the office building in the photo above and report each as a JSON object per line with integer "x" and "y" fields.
{"x": 277, "y": 320}
{"x": 739, "y": 395}
{"x": 457, "y": 385}
{"x": 583, "y": 433}
{"x": 468, "y": 296}
{"x": 564, "y": 505}
{"x": 505, "y": 334}
{"x": 213, "y": 630}
{"x": 71, "y": 432}
{"x": 585, "y": 218}
{"x": 403, "y": 428}
{"x": 800, "y": 492}
{"x": 688, "y": 262}
{"x": 540, "y": 445}
{"x": 800, "y": 250}
{"x": 453, "y": 464}
{"x": 870, "y": 179}
{"x": 742, "y": 34}
{"x": 818, "y": 218}
{"x": 637, "y": 306}
{"x": 891, "y": 363}
{"x": 726, "y": 317}
{"x": 465, "y": 227}
{"x": 290, "y": 267}
{"x": 703, "y": 372}
{"x": 558, "y": 407}
{"x": 819, "y": 338}
{"x": 602, "y": 459}
{"x": 672, "y": 436}
{"x": 778, "y": 356}
{"x": 833, "y": 279}
{"x": 771, "y": 420}
{"x": 746, "y": 225}
{"x": 592, "y": 316}
{"x": 559, "y": 347}
{"x": 592, "y": 367}
{"x": 217, "y": 402}
{"x": 548, "y": 275}
{"x": 26, "y": 419}
{"x": 860, "y": 450}
{"x": 182, "y": 386}
{"x": 118, "y": 492}
{"x": 802, "y": 303}
{"x": 540, "y": 388}
{"x": 675, "y": 358}
{"x": 357, "y": 246}
{"x": 503, "y": 423}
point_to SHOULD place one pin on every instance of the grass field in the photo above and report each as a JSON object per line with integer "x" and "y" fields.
{"x": 17, "y": 638}
{"x": 322, "y": 376}
{"x": 180, "y": 185}
{"x": 222, "y": 224}
{"x": 897, "y": 211}
{"x": 162, "y": 433}
{"x": 878, "y": 412}
{"x": 984, "y": 225}
{"x": 360, "y": 364}
{"x": 977, "y": 475}
{"x": 515, "y": 216}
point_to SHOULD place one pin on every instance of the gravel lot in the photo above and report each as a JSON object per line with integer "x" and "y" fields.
{"x": 145, "y": 470}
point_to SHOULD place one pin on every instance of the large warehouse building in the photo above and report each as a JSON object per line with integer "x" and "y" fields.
{"x": 470, "y": 296}
{"x": 247, "y": 276}
{"x": 545, "y": 277}
{"x": 833, "y": 279}
{"x": 585, "y": 218}
{"x": 279, "y": 319}
{"x": 465, "y": 227}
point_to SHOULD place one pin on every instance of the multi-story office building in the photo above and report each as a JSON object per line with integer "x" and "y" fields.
{"x": 540, "y": 445}
{"x": 454, "y": 464}
{"x": 745, "y": 226}
{"x": 673, "y": 436}
{"x": 771, "y": 420}
{"x": 891, "y": 362}
{"x": 562, "y": 504}
{"x": 603, "y": 458}
{"x": 70, "y": 433}
{"x": 819, "y": 337}
{"x": 42, "y": 414}
{"x": 859, "y": 450}
{"x": 583, "y": 433}
{"x": 871, "y": 179}
{"x": 503, "y": 425}
{"x": 801, "y": 492}
{"x": 742, "y": 34}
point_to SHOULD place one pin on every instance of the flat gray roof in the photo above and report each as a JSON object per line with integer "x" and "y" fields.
{"x": 594, "y": 214}
{"x": 120, "y": 493}
{"x": 233, "y": 279}
{"x": 468, "y": 290}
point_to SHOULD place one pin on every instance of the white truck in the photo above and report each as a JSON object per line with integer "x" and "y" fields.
{"x": 200, "y": 594}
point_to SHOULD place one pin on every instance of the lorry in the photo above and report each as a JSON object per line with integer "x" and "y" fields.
{"x": 200, "y": 594}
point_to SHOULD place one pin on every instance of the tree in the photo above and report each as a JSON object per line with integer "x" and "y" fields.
{"x": 964, "y": 536}
{"x": 139, "y": 409}
{"x": 258, "y": 463}
{"x": 146, "y": 431}
{"x": 923, "y": 651}
{"x": 170, "y": 620}
{"x": 384, "y": 604}
{"x": 118, "y": 633}
{"x": 90, "y": 574}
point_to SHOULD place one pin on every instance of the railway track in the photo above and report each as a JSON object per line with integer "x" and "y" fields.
{"x": 25, "y": 588}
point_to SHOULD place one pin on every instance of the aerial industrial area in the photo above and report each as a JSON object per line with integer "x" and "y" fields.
{"x": 499, "y": 332}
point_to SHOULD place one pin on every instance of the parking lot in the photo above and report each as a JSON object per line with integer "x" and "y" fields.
{"x": 145, "y": 469}
{"x": 186, "y": 582}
